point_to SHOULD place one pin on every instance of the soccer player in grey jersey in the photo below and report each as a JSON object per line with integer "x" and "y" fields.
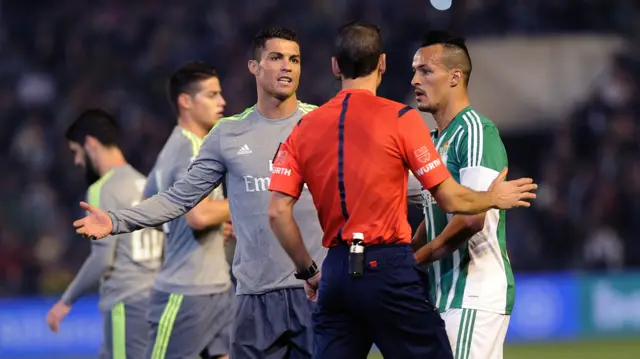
{"x": 273, "y": 317}
{"x": 124, "y": 264}
{"x": 191, "y": 307}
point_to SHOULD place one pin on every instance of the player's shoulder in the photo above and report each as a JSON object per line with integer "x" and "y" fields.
{"x": 98, "y": 188}
{"x": 306, "y": 108}
{"x": 390, "y": 107}
{"x": 181, "y": 144}
{"x": 227, "y": 121}
{"x": 471, "y": 120}
{"x": 116, "y": 188}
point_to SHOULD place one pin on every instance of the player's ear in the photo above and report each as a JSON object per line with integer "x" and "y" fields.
{"x": 456, "y": 78}
{"x": 335, "y": 68}
{"x": 184, "y": 101}
{"x": 252, "y": 65}
{"x": 382, "y": 63}
{"x": 90, "y": 143}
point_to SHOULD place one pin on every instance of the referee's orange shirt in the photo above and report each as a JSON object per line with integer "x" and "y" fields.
{"x": 353, "y": 153}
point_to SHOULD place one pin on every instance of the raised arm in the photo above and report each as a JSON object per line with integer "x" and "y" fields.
{"x": 202, "y": 177}
{"x": 426, "y": 164}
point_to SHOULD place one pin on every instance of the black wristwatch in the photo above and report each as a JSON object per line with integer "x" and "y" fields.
{"x": 307, "y": 273}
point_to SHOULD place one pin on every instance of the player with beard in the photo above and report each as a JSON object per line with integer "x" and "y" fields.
{"x": 125, "y": 265}
{"x": 273, "y": 314}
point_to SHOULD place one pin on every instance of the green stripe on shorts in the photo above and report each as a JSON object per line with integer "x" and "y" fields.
{"x": 465, "y": 333}
{"x": 118, "y": 334}
{"x": 166, "y": 326}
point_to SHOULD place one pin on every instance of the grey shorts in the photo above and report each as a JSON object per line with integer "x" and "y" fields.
{"x": 273, "y": 325}
{"x": 188, "y": 326}
{"x": 126, "y": 330}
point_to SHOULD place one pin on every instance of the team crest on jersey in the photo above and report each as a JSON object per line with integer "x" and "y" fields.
{"x": 443, "y": 150}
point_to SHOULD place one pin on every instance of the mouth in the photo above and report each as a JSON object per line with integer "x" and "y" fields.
{"x": 285, "y": 80}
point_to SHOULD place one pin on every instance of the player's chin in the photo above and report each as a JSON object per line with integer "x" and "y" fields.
{"x": 424, "y": 107}
{"x": 284, "y": 94}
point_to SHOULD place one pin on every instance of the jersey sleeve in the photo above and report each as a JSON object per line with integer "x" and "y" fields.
{"x": 286, "y": 175}
{"x": 481, "y": 155}
{"x": 203, "y": 175}
{"x": 102, "y": 254}
{"x": 418, "y": 151}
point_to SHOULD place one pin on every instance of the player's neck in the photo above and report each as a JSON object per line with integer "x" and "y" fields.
{"x": 110, "y": 159}
{"x": 186, "y": 122}
{"x": 369, "y": 83}
{"x": 444, "y": 117}
{"x": 272, "y": 108}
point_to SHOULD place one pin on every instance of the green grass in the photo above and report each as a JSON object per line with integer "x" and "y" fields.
{"x": 595, "y": 349}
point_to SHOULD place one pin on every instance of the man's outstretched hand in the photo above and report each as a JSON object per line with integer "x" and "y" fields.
{"x": 511, "y": 194}
{"x": 97, "y": 224}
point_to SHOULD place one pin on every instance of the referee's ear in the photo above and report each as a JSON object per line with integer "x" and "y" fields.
{"x": 335, "y": 68}
{"x": 382, "y": 64}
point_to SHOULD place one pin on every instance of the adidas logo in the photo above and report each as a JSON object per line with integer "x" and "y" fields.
{"x": 244, "y": 150}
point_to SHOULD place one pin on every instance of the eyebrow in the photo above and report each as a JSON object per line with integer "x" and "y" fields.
{"x": 283, "y": 55}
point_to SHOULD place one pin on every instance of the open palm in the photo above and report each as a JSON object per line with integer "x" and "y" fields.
{"x": 514, "y": 193}
{"x": 97, "y": 224}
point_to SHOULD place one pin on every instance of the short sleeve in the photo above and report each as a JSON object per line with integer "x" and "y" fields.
{"x": 286, "y": 176}
{"x": 418, "y": 151}
{"x": 481, "y": 155}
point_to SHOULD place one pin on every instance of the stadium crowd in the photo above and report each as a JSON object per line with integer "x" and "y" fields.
{"x": 59, "y": 59}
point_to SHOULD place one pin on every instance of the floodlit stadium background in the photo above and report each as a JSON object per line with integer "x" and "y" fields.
{"x": 560, "y": 78}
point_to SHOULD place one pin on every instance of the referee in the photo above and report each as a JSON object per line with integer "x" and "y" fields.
{"x": 353, "y": 153}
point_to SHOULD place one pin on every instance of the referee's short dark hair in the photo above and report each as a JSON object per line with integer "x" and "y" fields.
{"x": 456, "y": 54}
{"x": 261, "y": 38}
{"x": 358, "y": 48}
{"x": 96, "y": 123}
{"x": 186, "y": 79}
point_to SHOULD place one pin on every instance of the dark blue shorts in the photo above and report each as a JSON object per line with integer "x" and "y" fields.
{"x": 273, "y": 325}
{"x": 389, "y": 306}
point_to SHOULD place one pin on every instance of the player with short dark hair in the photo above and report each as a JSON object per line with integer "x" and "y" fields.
{"x": 353, "y": 153}
{"x": 191, "y": 308}
{"x": 124, "y": 265}
{"x": 270, "y": 33}
{"x": 471, "y": 277}
{"x": 273, "y": 317}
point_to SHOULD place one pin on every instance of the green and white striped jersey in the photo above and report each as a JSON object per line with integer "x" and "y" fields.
{"x": 478, "y": 275}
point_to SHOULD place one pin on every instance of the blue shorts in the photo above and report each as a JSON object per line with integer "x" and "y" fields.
{"x": 273, "y": 325}
{"x": 190, "y": 326}
{"x": 389, "y": 306}
{"x": 126, "y": 329}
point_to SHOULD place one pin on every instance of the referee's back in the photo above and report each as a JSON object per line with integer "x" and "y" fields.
{"x": 351, "y": 154}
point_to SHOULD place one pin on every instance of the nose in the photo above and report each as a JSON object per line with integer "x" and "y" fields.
{"x": 223, "y": 101}
{"x": 415, "y": 80}
{"x": 286, "y": 66}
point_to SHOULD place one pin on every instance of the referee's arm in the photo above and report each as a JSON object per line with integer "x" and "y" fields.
{"x": 425, "y": 163}
{"x": 286, "y": 186}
